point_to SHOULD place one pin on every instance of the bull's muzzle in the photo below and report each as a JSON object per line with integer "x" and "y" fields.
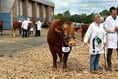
{"x": 72, "y": 42}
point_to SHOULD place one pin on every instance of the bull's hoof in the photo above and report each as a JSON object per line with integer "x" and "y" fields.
{"x": 14, "y": 35}
{"x": 65, "y": 70}
{"x": 54, "y": 68}
{"x": 64, "y": 66}
{"x": 116, "y": 70}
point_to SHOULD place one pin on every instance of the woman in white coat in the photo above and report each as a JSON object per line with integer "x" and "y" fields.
{"x": 96, "y": 35}
{"x": 111, "y": 27}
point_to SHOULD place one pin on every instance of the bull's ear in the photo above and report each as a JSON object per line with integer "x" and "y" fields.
{"x": 57, "y": 29}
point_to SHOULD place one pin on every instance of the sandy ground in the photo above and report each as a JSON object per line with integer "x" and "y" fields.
{"x": 30, "y": 58}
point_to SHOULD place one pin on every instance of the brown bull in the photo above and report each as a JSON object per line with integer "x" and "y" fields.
{"x": 17, "y": 25}
{"x": 82, "y": 29}
{"x": 60, "y": 34}
{"x": 1, "y": 26}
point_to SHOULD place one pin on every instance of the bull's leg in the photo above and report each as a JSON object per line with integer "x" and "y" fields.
{"x": 54, "y": 59}
{"x": 60, "y": 56}
{"x": 65, "y": 58}
{"x": 13, "y": 32}
{"x": 1, "y": 32}
{"x": 54, "y": 55}
{"x": 82, "y": 35}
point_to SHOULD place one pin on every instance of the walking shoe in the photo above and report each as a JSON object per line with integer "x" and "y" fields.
{"x": 109, "y": 68}
{"x": 92, "y": 70}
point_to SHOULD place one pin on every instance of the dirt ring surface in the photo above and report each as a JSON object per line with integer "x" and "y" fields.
{"x": 30, "y": 58}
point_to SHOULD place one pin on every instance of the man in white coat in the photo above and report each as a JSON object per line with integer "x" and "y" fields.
{"x": 38, "y": 27}
{"x": 111, "y": 27}
{"x": 25, "y": 28}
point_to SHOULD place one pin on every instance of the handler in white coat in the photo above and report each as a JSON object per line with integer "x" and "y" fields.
{"x": 111, "y": 27}
{"x": 96, "y": 35}
{"x": 38, "y": 27}
{"x": 25, "y": 28}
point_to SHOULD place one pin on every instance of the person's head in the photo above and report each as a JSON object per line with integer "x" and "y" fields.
{"x": 113, "y": 12}
{"x": 96, "y": 17}
{"x": 28, "y": 19}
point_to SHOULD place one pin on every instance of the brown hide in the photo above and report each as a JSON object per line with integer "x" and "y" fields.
{"x": 56, "y": 40}
{"x": 78, "y": 29}
{"x": 82, "y": 29}
{"x": 30, "y": 25}
{"x": 1, "y": 26}
{"x": 16, "y": 25}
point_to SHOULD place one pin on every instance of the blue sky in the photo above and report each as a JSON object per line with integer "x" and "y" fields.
{"x": 83, "y": 6}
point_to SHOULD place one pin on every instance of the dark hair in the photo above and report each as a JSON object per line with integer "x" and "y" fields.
{"x": 112, "y": 8}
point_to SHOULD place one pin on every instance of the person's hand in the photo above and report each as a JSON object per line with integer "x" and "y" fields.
{"x": 116, "y": 28}
{"x": 105, "y": 44}
{"x": 85, "y": 43}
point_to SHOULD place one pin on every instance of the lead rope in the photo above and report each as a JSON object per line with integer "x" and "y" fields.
{"x": 79, "y": 46}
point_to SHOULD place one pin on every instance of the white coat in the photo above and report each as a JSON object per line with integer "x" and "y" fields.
{"x": 93, "y": 32}
{"x": 39, "y": 24}
{"x": 112, "y": 36}
{"x": 25, "y": 25}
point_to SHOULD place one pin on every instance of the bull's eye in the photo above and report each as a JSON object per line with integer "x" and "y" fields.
{"x": 65, "y": 32}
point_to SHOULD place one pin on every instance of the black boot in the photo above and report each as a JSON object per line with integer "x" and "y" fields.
{"x": 109, "y": 54}
{"x": 109, "y": 67}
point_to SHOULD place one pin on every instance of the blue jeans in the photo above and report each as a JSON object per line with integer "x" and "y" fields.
{"x": 94, "y": 61}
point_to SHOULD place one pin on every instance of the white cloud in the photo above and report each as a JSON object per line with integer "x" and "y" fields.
{"x": 83, "y": 6}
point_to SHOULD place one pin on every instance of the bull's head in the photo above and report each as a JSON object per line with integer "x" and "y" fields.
{"x": 67, "y": 30}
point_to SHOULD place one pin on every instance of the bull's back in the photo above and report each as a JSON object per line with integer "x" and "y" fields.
{"x": 17, "y": 25}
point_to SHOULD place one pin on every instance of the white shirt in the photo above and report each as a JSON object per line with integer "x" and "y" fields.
{"x": 31, "y": 29}
{"x": 25, "y": 24}
{"x": 39, "y": 24}
{"x": 20, "y": 21}
{"x": 112, "y": 36}
{"x": 93, "y": 32}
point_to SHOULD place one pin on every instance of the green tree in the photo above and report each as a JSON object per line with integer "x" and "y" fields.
{"x": 80, "y": 18}
{"x": 104, "y": 13}
{"x": 67, "y": 13}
